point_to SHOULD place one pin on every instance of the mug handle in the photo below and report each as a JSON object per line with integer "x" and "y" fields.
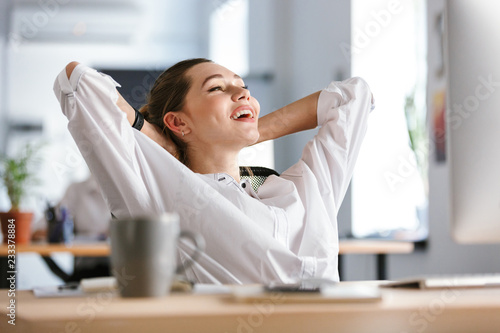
{"x": 199, "y": 243}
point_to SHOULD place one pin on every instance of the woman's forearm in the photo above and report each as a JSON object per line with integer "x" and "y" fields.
{"x": 126, "y": 107}
{"x": 295, "y": 117}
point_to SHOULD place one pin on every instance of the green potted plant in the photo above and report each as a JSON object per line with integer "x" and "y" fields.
{"x": 17, "y": 174}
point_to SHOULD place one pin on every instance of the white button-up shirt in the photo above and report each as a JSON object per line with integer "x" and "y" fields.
{"x": 286, "y": 231}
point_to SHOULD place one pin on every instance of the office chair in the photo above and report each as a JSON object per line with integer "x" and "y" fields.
{"x": 256, "y": 175}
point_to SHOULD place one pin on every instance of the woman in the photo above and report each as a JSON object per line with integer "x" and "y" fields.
{"x": 203, "y": 114}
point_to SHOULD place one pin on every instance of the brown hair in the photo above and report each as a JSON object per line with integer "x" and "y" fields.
{"x": 169, "y": 94}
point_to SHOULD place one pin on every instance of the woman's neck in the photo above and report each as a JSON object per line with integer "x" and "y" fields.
{"x": 214, "y": 160}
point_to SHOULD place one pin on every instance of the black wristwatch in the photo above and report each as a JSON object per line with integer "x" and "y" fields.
{"x": 139, "y": 120}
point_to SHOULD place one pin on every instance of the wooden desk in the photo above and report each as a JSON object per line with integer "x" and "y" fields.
{"x": 411, "y": 311}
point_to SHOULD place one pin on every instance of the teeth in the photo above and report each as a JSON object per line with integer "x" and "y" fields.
{"x": 240, "y": 113}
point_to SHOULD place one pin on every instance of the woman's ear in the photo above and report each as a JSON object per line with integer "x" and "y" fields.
{"x": 175, "y": 122}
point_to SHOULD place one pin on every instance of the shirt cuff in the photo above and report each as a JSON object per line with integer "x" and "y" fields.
{"x": 64, "y": 86}
{"x": 308, "y": 267}
{"x": 328, "y": 99}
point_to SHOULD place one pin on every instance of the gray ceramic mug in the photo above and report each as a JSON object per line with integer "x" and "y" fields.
{"x": 143, "y": 253}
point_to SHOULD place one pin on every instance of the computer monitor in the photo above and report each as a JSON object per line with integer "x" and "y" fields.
{"x": 472, "y": 60}
{"x": 135, "y": 83}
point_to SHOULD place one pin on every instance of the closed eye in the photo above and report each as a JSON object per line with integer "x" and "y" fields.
{"x": 215, "y": 88}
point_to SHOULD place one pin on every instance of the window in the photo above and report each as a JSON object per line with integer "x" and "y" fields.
{"x": 229, "y": 35}
{"x": 389, "y": 188}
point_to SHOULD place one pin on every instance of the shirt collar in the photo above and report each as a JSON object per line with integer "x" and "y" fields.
{"x": 226, "y": 179}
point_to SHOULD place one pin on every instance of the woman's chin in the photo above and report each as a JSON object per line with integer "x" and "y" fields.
{"x": 253, "y": 139}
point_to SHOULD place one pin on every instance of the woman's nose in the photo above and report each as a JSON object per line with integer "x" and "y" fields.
{"x": 241, "y": 94}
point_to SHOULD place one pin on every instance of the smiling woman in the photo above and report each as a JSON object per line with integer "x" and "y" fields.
{"x": 202, "y": 114}
{"x": 204, "y": 117}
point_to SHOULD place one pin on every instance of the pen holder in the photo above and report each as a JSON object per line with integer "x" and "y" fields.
{"x": 60, "y": 225}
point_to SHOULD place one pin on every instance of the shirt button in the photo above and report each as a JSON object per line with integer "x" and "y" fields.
{"x": 244, "y": 185}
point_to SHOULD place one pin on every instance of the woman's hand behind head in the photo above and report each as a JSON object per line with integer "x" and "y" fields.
{"x": 160, "y": 137}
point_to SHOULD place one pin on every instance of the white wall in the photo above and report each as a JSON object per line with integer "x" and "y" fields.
{"x": 307, "y": 57}
{"x": 4, "y": 25}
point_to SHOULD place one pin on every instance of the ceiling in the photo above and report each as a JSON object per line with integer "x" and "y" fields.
{"x": 106, "y": 21}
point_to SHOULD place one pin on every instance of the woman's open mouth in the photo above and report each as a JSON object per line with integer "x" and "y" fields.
{"x": 242, "y": 114}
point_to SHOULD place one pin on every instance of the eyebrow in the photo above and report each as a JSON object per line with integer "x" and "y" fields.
{"x": 216, "y": 76}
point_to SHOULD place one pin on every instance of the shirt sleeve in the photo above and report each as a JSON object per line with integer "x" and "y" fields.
{"x": 104, "y": 137}
{"x": 342, "y": 112}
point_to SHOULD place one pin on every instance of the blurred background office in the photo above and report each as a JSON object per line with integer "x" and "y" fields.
{"x": 285, "y": 49}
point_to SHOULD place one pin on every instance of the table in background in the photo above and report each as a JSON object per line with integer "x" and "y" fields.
{"x": 400, "y": 310}
{"x": 45, "y": 250}
{"x": 380, "y": 248}
{"x": 100, "y": 249}
{"x": 346, "y": 246}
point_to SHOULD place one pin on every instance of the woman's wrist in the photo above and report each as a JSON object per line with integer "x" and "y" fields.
{"x": 139, "y": 120}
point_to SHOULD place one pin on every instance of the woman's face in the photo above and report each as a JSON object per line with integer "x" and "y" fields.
{"x": 219, "y": 109}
